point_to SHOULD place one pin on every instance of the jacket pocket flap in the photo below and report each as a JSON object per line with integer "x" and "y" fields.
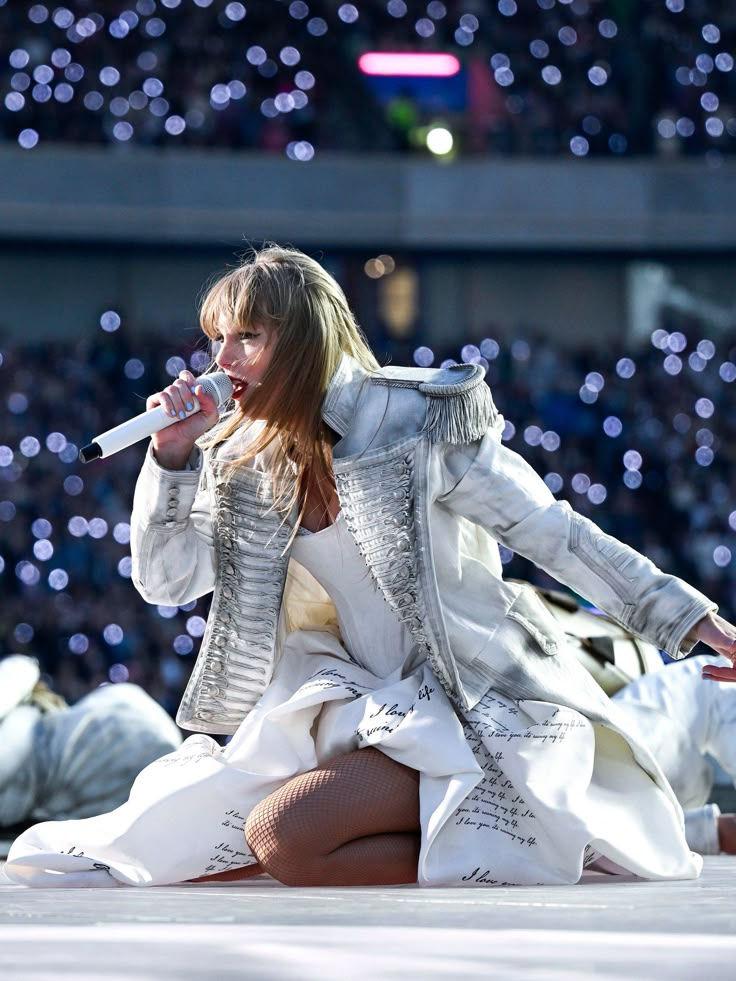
{"x": 530, "y": 612}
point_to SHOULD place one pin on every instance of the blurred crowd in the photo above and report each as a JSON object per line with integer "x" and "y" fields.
{"x": 642, "y": 441}
{"x": 543, "y": 77}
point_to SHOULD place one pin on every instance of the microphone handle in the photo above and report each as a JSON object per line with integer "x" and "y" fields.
{"x": 129, "y": 432}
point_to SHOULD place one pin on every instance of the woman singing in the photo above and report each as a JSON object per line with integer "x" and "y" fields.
{"x": 398, "y": 712}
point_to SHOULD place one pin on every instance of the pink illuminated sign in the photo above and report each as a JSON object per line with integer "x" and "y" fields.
{"x": 408, "y": 63}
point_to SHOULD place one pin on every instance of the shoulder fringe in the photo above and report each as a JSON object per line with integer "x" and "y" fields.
{"x": 460, "y": 417}
{"x": 458, "y": 411}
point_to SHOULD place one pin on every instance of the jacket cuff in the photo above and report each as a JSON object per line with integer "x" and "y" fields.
{"x": 678, "y": 643}
{"x": 172, "y": 491}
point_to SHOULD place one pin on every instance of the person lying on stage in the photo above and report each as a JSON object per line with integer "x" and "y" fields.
{"x": 59, "y": 761}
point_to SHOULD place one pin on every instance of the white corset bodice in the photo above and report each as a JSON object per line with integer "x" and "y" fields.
{"x": 370, "y": 631}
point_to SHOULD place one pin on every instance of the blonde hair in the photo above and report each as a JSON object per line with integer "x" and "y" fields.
{"x": 305, "y": 310}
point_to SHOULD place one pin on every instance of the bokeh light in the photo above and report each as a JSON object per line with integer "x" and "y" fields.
{"x": 424, "y": 357}
{"x": 118, "y": 673}
{"x": 58, "y": 579}
{"x": 196, "y": 626}
{"x": 125, "y": 567}
{"x": 439, "y": 140}
{"x": 113, "y": 634}
{"x": 110, "y": 321}
{"x": 183, "y": 644}
{"x": 78, "y": 644}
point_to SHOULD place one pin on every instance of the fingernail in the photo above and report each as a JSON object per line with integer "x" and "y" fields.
{"x": 192, "y": 389}
{"x": 182, "y": 415}
{"x": 189, "y": 406}
{"x": 172, "y": 412}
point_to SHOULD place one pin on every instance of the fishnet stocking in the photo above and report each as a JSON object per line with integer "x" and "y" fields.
{"x": 352, "y": 822}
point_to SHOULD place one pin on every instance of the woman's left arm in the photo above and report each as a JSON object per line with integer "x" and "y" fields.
{"x": 494, "y": 487}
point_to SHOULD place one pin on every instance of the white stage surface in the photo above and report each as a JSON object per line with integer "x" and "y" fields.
{"x": 603, "y": 928}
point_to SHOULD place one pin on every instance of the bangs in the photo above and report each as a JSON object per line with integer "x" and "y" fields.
{"x": 217, "y": 305}
{"x": 241, "y": 298}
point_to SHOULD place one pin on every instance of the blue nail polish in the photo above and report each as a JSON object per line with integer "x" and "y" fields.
{"x": 192, "y": 389}
{"x": 189, "y": 406}
{"x": 172, "y": 412}
{"x": 182, "y": 415}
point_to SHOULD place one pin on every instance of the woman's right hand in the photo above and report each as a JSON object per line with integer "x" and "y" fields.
{"x": 172, "y": 446}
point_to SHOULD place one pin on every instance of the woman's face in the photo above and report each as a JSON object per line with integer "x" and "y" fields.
{"x": 244, "y": 355}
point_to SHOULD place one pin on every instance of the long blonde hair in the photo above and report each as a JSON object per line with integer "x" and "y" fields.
{"x": 291, "y": 295}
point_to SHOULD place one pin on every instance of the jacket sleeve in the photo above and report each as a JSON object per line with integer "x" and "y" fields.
{"x": 171, "y": 540}
{"x": 494, "y": 487}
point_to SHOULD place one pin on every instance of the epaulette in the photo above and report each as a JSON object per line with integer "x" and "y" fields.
{"x": 459, "y": 404}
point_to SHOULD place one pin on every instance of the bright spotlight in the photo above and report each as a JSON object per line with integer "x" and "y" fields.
{"x": 439, "y": 140}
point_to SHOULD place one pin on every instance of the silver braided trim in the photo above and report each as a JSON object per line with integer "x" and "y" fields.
{"x": 394, "y": 382}
{"x": 378, "y": 503}
{"x": 236, "y": 659}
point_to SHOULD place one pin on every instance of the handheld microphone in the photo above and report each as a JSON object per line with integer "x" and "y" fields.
{"x": 217, "y": 385}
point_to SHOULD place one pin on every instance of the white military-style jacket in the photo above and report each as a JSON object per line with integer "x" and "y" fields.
{"x": 428, "y": 491}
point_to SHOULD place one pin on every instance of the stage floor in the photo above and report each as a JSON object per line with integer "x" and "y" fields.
{"x": 603, "y": 928}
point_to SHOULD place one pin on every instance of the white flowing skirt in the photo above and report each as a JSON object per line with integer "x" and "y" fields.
{"x": 513, "y": 793}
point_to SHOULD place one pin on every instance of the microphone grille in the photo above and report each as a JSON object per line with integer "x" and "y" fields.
{"x": 217, "y": 385}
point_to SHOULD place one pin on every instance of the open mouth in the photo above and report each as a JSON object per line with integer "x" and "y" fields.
{"x": 239, "y": 388}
